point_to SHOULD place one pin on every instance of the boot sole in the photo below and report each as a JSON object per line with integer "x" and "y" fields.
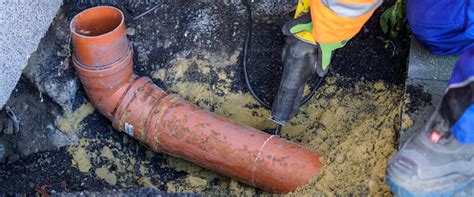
{"x": 400, "y": 191}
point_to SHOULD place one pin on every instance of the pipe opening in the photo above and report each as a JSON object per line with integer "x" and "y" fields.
{"x": 97, "y": 21}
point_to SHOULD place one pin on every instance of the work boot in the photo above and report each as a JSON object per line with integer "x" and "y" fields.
{"x": 431, "y": 163}
{"x": 439, "y": 160}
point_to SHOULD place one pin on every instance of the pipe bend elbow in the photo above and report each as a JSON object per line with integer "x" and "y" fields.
{"x": 105, "y": 86}
{"x": 103, "y": 57}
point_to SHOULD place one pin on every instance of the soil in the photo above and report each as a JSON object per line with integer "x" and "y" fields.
{"x": 354, "y": 136}
{"x": 417, "y": 97}
{"x": 194, "y": 49}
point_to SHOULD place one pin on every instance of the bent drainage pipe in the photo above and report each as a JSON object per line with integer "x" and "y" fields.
{"x": 103, "y": 59}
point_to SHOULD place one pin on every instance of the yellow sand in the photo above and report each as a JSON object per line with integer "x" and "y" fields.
{"x": 72, "y": 121}
{"x": 104, "y": 173}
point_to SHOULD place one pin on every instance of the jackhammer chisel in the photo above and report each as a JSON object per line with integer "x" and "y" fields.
{"x": 302, "y": 58}
{"x": 299, "y": 64}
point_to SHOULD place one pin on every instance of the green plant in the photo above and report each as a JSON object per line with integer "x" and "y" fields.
{"x": 391, "y": 20}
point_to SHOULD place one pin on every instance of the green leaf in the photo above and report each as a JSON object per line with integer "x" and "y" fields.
{"x": 384, "y": 18}
{"x": 392, "y": 18}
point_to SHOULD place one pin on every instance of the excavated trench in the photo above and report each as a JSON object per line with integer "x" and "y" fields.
{"x": 194, "y": 49}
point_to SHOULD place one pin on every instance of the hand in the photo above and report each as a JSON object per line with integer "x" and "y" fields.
{"x": 304, "y": 24}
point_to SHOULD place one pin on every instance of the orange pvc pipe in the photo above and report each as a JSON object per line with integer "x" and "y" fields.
{"x": 106, "y": 85}
{"x": 169, "y": 124}
{"x": 99, "y": 36}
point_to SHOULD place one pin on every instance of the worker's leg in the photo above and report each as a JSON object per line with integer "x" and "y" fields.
{"x": 443, "y": 27}
{"x": 338, "y": 20}
{"x": 438, "y": 160}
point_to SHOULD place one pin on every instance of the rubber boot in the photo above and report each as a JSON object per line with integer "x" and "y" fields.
{"x": 299, "y": 61}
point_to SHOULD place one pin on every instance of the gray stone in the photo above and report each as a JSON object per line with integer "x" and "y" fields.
{"x": 427, "y": 77}
{"x": 424, "y": 65}
{"x": 22, "y": 25}
{"x": 50, "y": 69}
{"x": 60, "y": 139}
{"x": 36, "y": 116}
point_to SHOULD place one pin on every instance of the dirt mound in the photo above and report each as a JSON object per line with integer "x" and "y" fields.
{"x": 355, "y": 135}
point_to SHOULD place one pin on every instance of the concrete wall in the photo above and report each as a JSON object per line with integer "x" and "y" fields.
{"x": 22, "y": 25}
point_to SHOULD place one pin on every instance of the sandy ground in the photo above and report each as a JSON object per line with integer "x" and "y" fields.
{"x": 353, "y": 128}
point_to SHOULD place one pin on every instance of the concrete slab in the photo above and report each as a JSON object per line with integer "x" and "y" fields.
{"x": 427, "y": 77}
{"x": 424, "y": 65}
{"x": 23, "y": 24}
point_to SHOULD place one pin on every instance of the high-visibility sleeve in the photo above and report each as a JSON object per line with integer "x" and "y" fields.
{"x": 338, "y": 20}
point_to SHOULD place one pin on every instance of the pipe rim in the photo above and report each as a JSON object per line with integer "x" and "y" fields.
{"x": 102, "y": 68}
{"x": 93, "y": 9}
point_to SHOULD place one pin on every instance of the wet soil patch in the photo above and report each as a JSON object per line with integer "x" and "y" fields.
{"x": 418, "y": 98}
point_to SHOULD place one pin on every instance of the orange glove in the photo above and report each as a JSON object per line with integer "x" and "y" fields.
{"x": 338, "y": 20}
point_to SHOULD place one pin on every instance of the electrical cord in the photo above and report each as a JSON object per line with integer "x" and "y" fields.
{"x": 245, "y": 58}
{"x": 246, "y": 75}
{"x": 147, "y": 11}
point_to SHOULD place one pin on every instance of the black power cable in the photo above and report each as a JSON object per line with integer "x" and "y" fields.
{"x": 246, "y": 75}
{"x": 246, "y": 47}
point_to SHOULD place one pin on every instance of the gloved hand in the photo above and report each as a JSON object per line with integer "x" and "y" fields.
{"x": 301, "y": 59}
{"x": 326, "y": 50}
